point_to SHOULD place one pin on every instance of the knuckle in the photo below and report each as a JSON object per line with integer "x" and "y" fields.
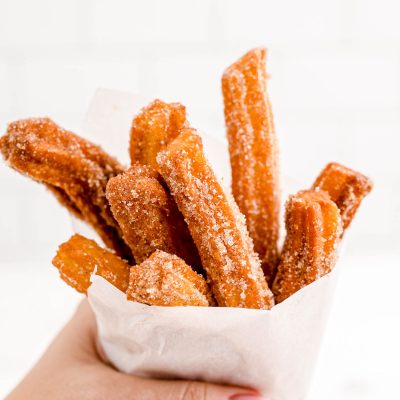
{"x": 194, "y": 391}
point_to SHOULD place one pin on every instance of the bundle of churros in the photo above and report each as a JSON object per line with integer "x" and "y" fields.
{"x": 172, "y": 234}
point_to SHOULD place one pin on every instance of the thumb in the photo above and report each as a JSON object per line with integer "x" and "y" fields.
{"x": 151, "y": 389}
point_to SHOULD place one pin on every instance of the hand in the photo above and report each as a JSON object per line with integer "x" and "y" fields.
{"x": 71, "y": 368}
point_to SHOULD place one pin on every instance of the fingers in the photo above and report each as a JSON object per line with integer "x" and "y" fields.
{"x": 84, "y": 314}
{"x": 78, "y": 337}
{"x": 150, "y": 389}
{"x": 113, "y": 384}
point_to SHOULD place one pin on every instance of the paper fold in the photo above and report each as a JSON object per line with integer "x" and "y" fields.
{"x": 273, "y": 351}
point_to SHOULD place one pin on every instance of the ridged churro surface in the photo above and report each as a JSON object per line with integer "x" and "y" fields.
{"x": 148, "y": 215}
{"x": 313, "y": 230}
{"x": 346, "y": 187}
{"x": 79, "y": 257}
{"x": 153, "y": 128}
{"x": 75, "y": 170}
{"x": 166, "y": 280}
{"x": 217, "y": 227}
{"x": 253, "y": 153}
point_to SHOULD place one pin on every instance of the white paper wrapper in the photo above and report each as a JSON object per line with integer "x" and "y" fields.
{"x": 273, "y": 351}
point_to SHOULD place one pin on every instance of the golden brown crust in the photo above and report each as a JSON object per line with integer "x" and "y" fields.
{"x": 148, "y": 215}
{"x": 314, "y": 227}
{"x": 217, "y": 227}
{"x": 75, "y": 170}
{"x": 153, "y": 128}
{"x": 346, "y": 187}
{"x": 79, "y": 257}
{"x": 253, "y": 153}
{"x": 166, "y": 280}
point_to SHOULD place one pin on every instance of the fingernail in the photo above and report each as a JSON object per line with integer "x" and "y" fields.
{"x": 249, "y": 396}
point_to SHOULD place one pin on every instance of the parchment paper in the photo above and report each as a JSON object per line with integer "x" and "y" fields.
{"x": 273, "y": 351}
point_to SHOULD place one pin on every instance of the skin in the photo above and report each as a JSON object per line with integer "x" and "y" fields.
{"x": 72, "y": 368}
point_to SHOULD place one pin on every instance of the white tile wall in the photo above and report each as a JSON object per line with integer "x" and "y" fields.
{"x": 52, "y": 85}
{"x": 341, "y": 79}
{"x": 335, "y": 88}
{"x": 335, "y": 83}
{"x": 152, "y": 21}
{"x": 282, "y": 22}
{"x": 43, "y": 22}
{"x": 377, "y": 21}
{"x": 4, "y": 100}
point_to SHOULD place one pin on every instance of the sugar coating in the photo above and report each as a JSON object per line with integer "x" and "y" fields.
{"x": 148, "y": 215}
{"x": 313, "y": 231}
{"x": 75, "y": 170}
{"x": 166, "y": 280}
{"x": 253, "y": 153}
{"x": 346, "y": 187}
{"x": 153, "y": 128}
{"x": 217, "y": 227}
{"x": 79, "y": 257}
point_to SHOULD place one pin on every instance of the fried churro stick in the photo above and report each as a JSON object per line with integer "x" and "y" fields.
{"x": 148, "y": 215}
{"x": 166, "y": 280}
{"x": 347, "y": 188}
{"x": 314, "y": 227}
{"x": 152, "y": 129}
{"x": 75, "y": 170}
{"x": 79, "y": 257}
{"x": 217, "y": 227}
{"x": 253, "y": 153}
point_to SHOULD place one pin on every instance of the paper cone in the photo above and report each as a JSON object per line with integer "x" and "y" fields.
{"x": 273, "y": 351}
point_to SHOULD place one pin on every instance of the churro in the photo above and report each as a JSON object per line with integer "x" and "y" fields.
{"x": 217, "y": 227}
{"x": 75, "y": 170}
{"x": 253, "y": 153}
{"x": 148, "y": 215}
{"x": 153, "y": 128}
{"x": 347, "y": 188}
{"x": 79, "y": 257}
{"x": 166, "y": 280}
{"x": 313, "y": 230}
{"x": 170, "y": 214}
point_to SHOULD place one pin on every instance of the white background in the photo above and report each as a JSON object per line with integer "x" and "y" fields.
{"x": 335, "y": 88}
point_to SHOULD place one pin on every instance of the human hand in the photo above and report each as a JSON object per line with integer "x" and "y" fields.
{"x": 71, "y": 368}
